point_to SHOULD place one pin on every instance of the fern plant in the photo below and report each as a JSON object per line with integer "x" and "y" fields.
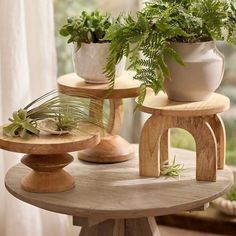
{"x": 87, "y": 28}
{"x": 147, "y": 38}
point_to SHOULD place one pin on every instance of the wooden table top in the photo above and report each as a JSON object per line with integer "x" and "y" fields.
{"x": 161, "y": 105}
{"x": 125, "y": 86}
{"x": 117, "y": 191}
{"x": 52, "y": 144}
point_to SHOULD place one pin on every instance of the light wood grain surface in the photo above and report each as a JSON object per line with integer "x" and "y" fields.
{"x": 161, "y": 105}
{"x": 152, "y": 145}
{"x": 125, "y": 86}
{"x": 117, "y": 190}
{"x": 52, "y": 144}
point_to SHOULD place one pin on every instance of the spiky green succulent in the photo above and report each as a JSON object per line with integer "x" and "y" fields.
{"x": 67, "y": 111}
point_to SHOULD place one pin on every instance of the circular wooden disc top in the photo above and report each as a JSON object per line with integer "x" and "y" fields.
{"x": 125, "y": 86}
{"x": 117, "y": 191}
{"x": 161, "y": 105}
{"x": 50, "y": 144}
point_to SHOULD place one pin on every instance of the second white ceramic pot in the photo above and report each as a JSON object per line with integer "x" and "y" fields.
{"x": 90, "y": 60}
{"x": 199, "y": 77}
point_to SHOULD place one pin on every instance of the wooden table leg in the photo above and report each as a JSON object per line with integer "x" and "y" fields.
{"x": 112, "y": 148}
{"x": 122, "y": 227}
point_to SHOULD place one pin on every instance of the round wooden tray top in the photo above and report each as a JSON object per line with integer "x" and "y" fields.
{"x": 125, "y": 86}
{"x": 51, "y": 144}
{"x": 117, "y": 191}
{"x": 161, "y": 105}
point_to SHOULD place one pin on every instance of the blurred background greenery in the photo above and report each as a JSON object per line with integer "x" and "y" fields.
{"x": 179, "y": 138}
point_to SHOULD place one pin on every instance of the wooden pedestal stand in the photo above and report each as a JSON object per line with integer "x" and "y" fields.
{"x": 47, "y": 156}
{"x": 113, "y": 200}
{"x": 112, "y": 148}
{"x": 201, "y": 119}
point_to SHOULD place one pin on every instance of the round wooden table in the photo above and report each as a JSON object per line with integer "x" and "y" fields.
{"x": 113, "y": 199}
{"x": 112, "y": 148}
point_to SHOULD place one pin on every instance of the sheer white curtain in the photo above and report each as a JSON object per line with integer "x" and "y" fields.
{"x": 27, "y": 70}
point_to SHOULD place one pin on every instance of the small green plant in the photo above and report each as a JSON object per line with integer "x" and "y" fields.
{"x": 171, "y": 169}
{"x": 87, "y": 28}
{"x": 67, "y": 111}
{"x": 147, "y": 38}
{"x": 231, "y": 195}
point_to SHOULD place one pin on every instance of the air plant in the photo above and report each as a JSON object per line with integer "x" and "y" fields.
{"x": 66, "y": 111}
{"x": 171, "y": 169}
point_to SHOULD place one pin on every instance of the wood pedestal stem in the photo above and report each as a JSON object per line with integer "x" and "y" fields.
{"x": 47, "y": 175}
{"x": 112, "y": 148}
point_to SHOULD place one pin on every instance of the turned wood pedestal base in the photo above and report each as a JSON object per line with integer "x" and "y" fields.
{"x": 47, "y": 175}
{"x": 199, "y": 118}
{"x": 111, "y": 149}
{"x": 47, "y": 156}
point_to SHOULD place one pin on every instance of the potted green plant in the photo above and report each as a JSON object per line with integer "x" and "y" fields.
{"x": 171, "y": 46}
{"x": 90, "y": 50}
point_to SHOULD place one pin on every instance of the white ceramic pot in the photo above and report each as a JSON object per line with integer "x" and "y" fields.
{"x": 199, "y": 77}
{"x": 90, "y": 60}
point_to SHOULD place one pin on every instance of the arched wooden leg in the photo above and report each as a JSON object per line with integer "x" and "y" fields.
{"x": 218, "y": 127}
{"x": 149, "y": 147}
{"x": 206, "y": 146}
{"x": 165, "y": 146}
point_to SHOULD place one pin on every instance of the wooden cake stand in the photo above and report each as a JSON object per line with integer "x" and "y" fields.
{"x": 47, "y": 156}
{"x": 111, "y": 200}
{"x": 201, "y": 119}
{"x": 112, "y": 148}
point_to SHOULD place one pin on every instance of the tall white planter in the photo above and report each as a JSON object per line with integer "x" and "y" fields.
{"x": 201, "y": 75}
{"x": 90, "y": 60}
